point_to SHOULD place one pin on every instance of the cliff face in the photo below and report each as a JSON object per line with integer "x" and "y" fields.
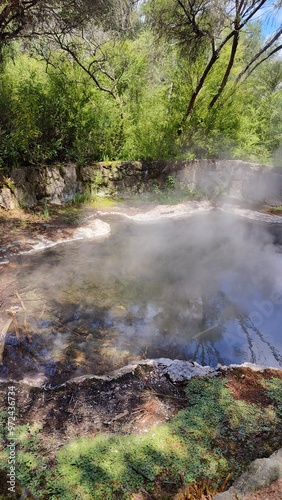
{"x": 239, "y": 180}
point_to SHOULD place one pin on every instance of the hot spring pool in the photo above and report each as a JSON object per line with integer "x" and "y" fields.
{"x": 208, "y": 288}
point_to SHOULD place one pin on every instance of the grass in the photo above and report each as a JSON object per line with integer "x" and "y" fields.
{"x": 214, "y": 437}
{"x": 101, "y": 202}
{"x": 275, "y": 210}
{"x": 274, "y": 389}
{"x": 169, "y": 193}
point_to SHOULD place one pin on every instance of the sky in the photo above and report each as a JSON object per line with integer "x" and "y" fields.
{"x": 271, "y": 19}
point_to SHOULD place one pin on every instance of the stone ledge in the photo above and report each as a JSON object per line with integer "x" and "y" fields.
{"x": 57, "y": 184}
{"x": 177, "y": 370}
{"x": 260, "y": 474}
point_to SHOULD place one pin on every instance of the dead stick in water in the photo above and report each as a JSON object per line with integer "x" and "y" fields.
{"x": 42, "y": 312}
{"x": 26, "y": 328}
{"x": 27, "y": 332}
{"x": 3, "y": 338}
{"x": 16, "y": 326}
{"x": 204, "y": 331}
{"x": 22, "y": 304}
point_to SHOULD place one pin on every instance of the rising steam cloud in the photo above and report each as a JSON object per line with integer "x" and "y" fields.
{"x": 208, "y": 288}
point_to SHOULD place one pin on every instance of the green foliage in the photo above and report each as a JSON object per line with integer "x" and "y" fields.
{"x": 149, "y": 124}
{"x": 51, "y": 117}
{"x": 233, "y": 420}
{"x": 77, "y": 200}
{"x": 3, "y": 422}
{"x": 274, "y": 389}
{"x": 170, "y": 193}
{"x": 191, "y": 445}
{"x": 31, "y": 461}
{"x": 215, "y": 435}
{"x": 61, "y": 115}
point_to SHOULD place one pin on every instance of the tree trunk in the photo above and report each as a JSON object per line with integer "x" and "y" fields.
{"x": 228, "y": 69}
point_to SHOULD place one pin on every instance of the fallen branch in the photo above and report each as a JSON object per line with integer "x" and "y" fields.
{"x": 138, "y": 471}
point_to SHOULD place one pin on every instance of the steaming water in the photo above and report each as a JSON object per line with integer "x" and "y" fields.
{"x": 208, "y": 288}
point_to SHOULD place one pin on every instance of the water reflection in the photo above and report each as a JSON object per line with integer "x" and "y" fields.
{"x": 198, "y": 289}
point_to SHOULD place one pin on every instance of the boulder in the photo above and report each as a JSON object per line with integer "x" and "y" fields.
{"x": 8, "y": 199}
{"x": 260, "y": 474}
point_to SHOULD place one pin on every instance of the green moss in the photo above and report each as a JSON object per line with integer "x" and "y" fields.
{"x": 276, "y": 210}
{"x": 197, "y": 443}
{"x": 105, "y": 201}
{"x": 274, "y": 390}
{"x": 213, "y": 436}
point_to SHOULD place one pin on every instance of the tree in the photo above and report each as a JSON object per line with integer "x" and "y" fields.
{"x": 208, "y": 26}
{"x": 32, "y": 17}
{"x": 92, "y": 37}
{"x": 14, "y": 16}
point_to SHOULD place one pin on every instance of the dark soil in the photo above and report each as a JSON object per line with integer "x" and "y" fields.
{"x": 247, "y": 385}
{"x": 132, "y": 403}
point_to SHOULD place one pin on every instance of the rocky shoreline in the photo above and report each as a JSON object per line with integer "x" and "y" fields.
{"x": 93, "y": 227}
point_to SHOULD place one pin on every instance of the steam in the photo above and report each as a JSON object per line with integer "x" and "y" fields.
{"x": 208, "y": 288}
{"x": 235, "y": 180}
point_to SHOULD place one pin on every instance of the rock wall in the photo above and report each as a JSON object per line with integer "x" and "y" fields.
{"x": 235, "y": 179}
{"x": 29, "y": 186}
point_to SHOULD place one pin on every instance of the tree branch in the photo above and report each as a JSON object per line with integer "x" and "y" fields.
{"x": 13, "y": 17}
{"x": 279, "y": 47}
{"x": 252, "y": 11}
{"x": 213, "y": 59}
{"x": 228, "y": 69}
{"x": 259, "y": 53}
{"x": 67, "y": 48}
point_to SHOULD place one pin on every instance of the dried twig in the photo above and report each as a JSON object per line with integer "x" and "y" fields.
{"x": 23, "y": 306}
{"x": 42, "y": 312}
{"x": 26, "y": 327}
{"x": 138, "y": 471}
{"x": 204, "y": 331}
{"x": 16, "y": 326}
{"x": 7, "y": 286}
